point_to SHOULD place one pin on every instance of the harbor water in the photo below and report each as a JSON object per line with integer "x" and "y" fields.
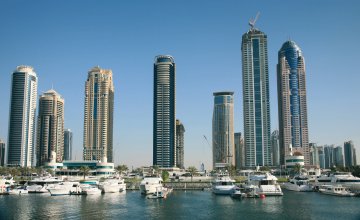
{"x": 190, "y": 204}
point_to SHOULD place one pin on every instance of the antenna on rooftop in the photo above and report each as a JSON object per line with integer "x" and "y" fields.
{"x": 253, "y": 21}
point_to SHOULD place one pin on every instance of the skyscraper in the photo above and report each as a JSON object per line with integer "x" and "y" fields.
{"x": 329, "y": 156}
{"x": 293, "y": 124}
{"x": 321, "y": 157}
{"x": 98, "y": 115}
{"x": 275, "y": 145}
{"x": 338, "y": 157}
{"x": 239, "y": 151}
{"x": 256, "y": 101}
{"x": 68, "y": 142}
{"x": 50, "y": 128}
{"x": 21, "y": 138}
{"x": 223, "y": 129}
{"x": 314, "y": 155}
{"x": 180, "y": 130}
{"x": 164, "y": 127}
{"x": 350, "y": 154}
{"x": 2, "y": 153}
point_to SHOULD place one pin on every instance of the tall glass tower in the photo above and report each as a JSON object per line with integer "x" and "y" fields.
{"x": 68, "y": 142}
{"x": 98, "y": 115}
{"x": 349, "y": 154}
{"x": 164, "y": 127}
{"x": 223, "y": 130}
{"x": 50, "y": 128}
{"x": 256, "y": 102}
{"x": 180, "y": 130}
{"x": 293, "y": 123}
{"x": 21, "y": 138}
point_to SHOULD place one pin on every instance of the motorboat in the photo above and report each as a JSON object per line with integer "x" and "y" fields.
{"x": 237, "y": 194}
{"x": 161, "y": 192}
{"x": 299, "y": 184}
{"x": 223, "y": 185}
{"x": 90, "y": 189}
{"x": 122, "y": 185}
{"x": 336, "y": 190}
{"x": 41, "y": 185}
{"x": 64, "y": 188}
{"x": 264, "y": 183}
{"x": 344, "y": 178}
{"x": 111, "y": 186}
{"x": 21, "y": 190}
{"x": 151, "y": 184}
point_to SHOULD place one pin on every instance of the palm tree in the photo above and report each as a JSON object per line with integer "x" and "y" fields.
{"x": 156, "y": 169}
{"x": 121, "y": 168}
{"x": 85, "y": 170}
{"x": 297, "y": 168}
{"x": 192, "y": 170}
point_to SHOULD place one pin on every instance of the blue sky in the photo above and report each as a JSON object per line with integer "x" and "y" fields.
{"x": 62, "y": 40}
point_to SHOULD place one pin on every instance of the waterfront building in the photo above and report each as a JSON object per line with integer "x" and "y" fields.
{"x": 350, "y": 154}
{"x": 275, "y": 145}
{"x": 329, "y": 156}
{"x": 164, "y": 125}
{"x": 50, "y": 127}
{"x": 2, "y": 153}
{"x": 294, "y": 158}
{"x": 98, "y": 115}
{"x": 338, "y": 157}
{"x": 223, "y": 130}
{"x": 321, "y": 157}
{"x": 68, "y": 144}
{"x": 180, "y": 130}
{"x": 293, "y": 122}
{"x": 21, "y": 138}
{"x": 256, "y": 101}
{"x": 314, "y": 155}
{"x": 239, "y": 151}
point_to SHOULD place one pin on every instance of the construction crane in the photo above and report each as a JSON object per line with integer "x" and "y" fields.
{"x": 252, "y": 22}
{"x": 219, "y": 154}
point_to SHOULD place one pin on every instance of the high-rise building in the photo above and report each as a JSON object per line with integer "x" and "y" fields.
{"x": 2, "y": 153}
{"x": 223, "y": 130}
{"x": 50, "y": 128}
{"x": 321, "y": 157}
{"x": 350, "y": 154}
{"x": 256, "y": 101}
{"x": 314, "y": 155}
{"x": 329, "y": 156}
{"x": 98, "y": 115}
{"x": 239, "y": 151}
{"x": 68, "y": 142}
{"x": 293, "y": 123}
{"x": 21, "y": 138}
{"x": 338, "y": 156}
{"x": 275, "y": 145}
{"x": 164, "y": 127}
{"x": 180, "y": 130}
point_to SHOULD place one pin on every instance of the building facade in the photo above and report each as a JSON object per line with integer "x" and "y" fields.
{"x": 293, "y": 122}
{"x": 314, "y": 155}
{"x": 275, "y": 145}
{"x": 21, "y": 138}
{"x": 68, "y": 144}
{"x": 98, "y": 115}
{"x": 329, "y": 156}
{"x": 338, "y": 157}
{"x": 239, "y": 151}
{"x": 180, "y": 131}
{"x": 321, "y": 157}
{"x": 2, "y": 153}
{"x": 350, "y": 154}
{"x": 164, "y": 125}
{"x": 50, "y": 128}
{"x": 256, "y": 101}
{"x": 223, "y": 130}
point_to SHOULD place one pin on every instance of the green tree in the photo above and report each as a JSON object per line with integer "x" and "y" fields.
{"x": 192, "y": 170}
{"x": 121, "y": 168}
{"x": 265, "y": 168}
{"x": 165, "y": 175}
{"x": 156, "y": 169}
{"x": 85, "y": 170}
{"x": 231, "y": 169}
{"x": 297, "y": 168}
{"x": 14, "y": 171}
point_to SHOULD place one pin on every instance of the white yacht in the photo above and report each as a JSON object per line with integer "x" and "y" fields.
{"x": 336, "y": 190}
{"x": 21, "y": 190}
{"x": 90, "y": 189}
{"x": 265, "y": 184}
{"x": 223, "y": 185}
{"x": 112, "y": 185}
{"x": 150, "y": 184}
{"x": 40, "y": 185}
{"x": 64, "y": 188}
{"x": 299, "y": 184}
{"x": 344, "y": 178}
